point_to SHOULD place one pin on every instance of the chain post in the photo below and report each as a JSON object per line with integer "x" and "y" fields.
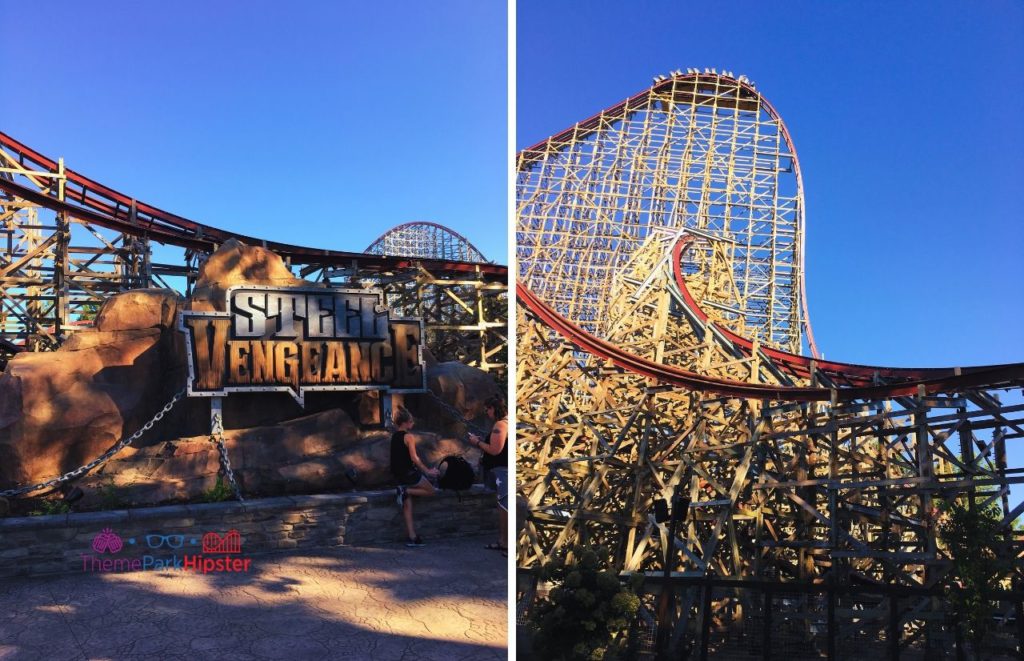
{"x": 217, "y": 438}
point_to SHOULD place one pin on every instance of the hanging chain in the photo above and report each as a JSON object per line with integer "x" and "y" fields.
{"x": 217, "y": 437}
{"x": 120, "y": 445}
{"x": 453, "y": 412}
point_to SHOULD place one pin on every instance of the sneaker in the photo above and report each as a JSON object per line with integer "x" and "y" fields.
{"x": 400, "y": 496}
{"x": 414, "y": 542}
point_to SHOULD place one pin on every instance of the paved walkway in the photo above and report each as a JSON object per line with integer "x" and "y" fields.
{"x": 445, "y": 601}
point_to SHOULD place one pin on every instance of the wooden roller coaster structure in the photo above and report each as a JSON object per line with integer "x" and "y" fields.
{"x": 661, "y": 318}
{"x": 68, "y": 242}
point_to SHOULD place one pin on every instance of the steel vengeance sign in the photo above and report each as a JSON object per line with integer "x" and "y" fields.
{"x": 295, "y": 340}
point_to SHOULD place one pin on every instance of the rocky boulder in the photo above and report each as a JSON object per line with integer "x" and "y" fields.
{"x": 138, "y": 309}
{"x": 235, "y": 263}
{"x": 325, "y": 451}
{"x": 461, "y": 387}
{"x": 59, "y": 410}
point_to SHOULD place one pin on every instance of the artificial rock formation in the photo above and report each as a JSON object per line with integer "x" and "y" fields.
{"x": 323, "y": 451}
{"x": 59, "y": 410}
{"x": 236, "y": 264}
{"x": 462, "y": 387}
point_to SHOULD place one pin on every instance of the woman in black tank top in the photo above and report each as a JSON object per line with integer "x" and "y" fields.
{"x": 401, "y": 464}
{"x": 410, "y": 473}
{"x": 495, "y": 464}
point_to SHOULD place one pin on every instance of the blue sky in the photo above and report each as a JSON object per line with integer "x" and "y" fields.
{"x": 317, "y": 123}
{"x": 907, "y": 118}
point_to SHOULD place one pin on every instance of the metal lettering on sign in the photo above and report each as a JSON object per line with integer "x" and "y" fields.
{"x": 299, "y": 340}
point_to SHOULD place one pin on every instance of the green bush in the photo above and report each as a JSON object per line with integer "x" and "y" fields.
{"x": 587, "y": 615}
{"x": 89, "y": 312}
{"x": 218, "y": 492}
{"x": 47, "y": 507}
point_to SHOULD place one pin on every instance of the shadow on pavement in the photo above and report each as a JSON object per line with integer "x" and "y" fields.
{"x": 446, "y": 601}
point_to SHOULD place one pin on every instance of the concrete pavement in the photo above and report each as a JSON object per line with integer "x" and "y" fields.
{"x": 445, "y": 601}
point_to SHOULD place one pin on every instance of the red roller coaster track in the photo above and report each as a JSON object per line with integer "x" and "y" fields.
{"x": 931, "y": 381}
{"x": 801, "y": 365}
{"x": 93, "y": 202}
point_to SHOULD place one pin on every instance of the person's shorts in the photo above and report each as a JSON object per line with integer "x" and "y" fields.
{"x": 497, "y": 479}
{"x": 411, "y": 478}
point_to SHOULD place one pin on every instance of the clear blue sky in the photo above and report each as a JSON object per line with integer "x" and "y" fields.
{"x": 317, "y": 123}
{"x": 908, "y": 118}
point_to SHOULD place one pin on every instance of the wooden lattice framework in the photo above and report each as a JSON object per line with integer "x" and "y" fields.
{"x": 639, "y": 378}
{"x": 67, "y": 243}
{"x": 55, "y": 268}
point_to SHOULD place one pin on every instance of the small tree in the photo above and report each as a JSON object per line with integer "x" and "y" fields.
{"x": 975, "y": 544}
{"x": 89, "y": 312}
{"x": 586, "y": 615}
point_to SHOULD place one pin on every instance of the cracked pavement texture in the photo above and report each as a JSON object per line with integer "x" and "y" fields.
{"x": 444, "y": 602}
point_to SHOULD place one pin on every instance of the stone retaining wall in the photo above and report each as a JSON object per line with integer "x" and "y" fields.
{"x": 63, "y": 543}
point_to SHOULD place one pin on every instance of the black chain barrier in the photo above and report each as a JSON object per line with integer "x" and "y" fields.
{"x": 217, "y": 438}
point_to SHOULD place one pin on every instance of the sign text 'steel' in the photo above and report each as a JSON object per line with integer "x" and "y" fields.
{"x": 297, "y": 340}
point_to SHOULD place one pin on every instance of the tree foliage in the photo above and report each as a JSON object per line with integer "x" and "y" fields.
{"x": 89, "y": 312}
{"x": 586, "y": 615}
{"x": 976, "y": 545}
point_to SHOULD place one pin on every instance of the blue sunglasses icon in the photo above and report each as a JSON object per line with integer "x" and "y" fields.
{"x": 173, "y": 541}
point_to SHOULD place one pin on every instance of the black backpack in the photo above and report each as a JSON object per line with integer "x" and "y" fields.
{"x": 459, "y": 474}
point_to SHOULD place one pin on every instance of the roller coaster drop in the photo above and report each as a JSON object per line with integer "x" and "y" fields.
{"x": 68, "y": 242}
{"x": 661, "y": 316}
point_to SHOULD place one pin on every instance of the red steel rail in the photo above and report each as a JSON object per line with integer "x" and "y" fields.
{"x": 95, "y": 203}
{"x": 798, "y": 365}
{"x": 949, "y": 381}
